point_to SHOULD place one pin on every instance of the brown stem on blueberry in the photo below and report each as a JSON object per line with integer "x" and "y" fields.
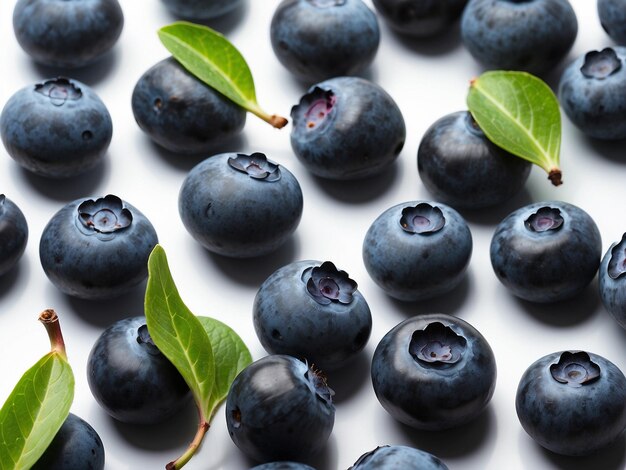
{"x": 180, "y": 462}
{"x": 278, "y": 121}
{"x": 50, "y": 321}
{"x": 555, "y": 176}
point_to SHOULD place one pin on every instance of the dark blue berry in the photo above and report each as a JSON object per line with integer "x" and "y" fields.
{"x": 398, "y": 457}
{"x": 420, "y": 18}
{"x": 13, "y": 234}
{"x": 612, "y": 14}
{"x": 611, "y": 278}
{"x": 201, "y": 9}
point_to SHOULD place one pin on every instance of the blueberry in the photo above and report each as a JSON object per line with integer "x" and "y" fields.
{"x": 68, "y": 34}
{"x": 279, "y": 409}
{"x": 591, "y": 92}
{"x": 181, "y": 113}
{"x": 400, "y": 457}
{"x": 417, "y": 250}
{"x": 239, "y": 205}
{"x": 58, "y": 128}
{"x": 459, "y": 166}
{"x": 283, "y": 466}
{"x": 130, "y": 378}
{"x": 529, "y": 35}
{"x": 13, "y": 234}
{"x": 433, "y": 372}
{"x": 546, "y": 251}
{"x": 347, "y": 128}
{"x": 420, "y": 18}
{"x": 612, "y": 14}
{"x": 572, "y": 402}
{"x": 320, "y": 39}
{"x": 313, "y": 311}
{"x": 97, "y": 248}
{"x": 201, "y": 9}
{"x": 611, "y": 280}
{"x": 77, "y": 446}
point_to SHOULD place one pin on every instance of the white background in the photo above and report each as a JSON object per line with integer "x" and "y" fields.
{"x": 428, "y": 80}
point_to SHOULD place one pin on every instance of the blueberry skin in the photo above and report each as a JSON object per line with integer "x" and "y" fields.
{"x": 201, "y": 9}
{"x": 430, "y": 397}
{"x": 283, "y": 466}
{"x": 611, "y": 283}
{"x": 58, "y": 128}
{"x": 572, "y": 420}
{"x": 547, "y": 266}
{"x": 68, "y": 34}
{"x": 612, "y": 14}
{"x": 528, "y": 35}
{"x": 459, "y": 166}
{"x": 278, "y": 409}
{"x": 182, "y": 114}
{"x": 347, "y": 128}
{"x": 407, "y": 458}
{"x": 320, "y": 39}
{"x": 288, "y": 320}
{"x": 13, "y": 234}
{"x": 91, "y": 265}
{"x": 232, "y": 214}
{"x": 420, "y": 18}
{"x": 412, "y": 267}
{"x": 77, "y": 446}
{"x": 594, "y": 100}
{"x": 130, "y": 378}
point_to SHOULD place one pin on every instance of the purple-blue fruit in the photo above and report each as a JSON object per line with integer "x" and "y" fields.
{"x": 398, "y": 457}
{"x": 313, "y": 311}
{"x": 97, "y": 248}
{"x": 130, "y": 378}
{"x": 572, "y": 402}
{"x": 417, "y": 250}
{"x": 320, "y": 39}
{"x": 77, "y": 446}
{"x": 201, "y": 9}
{"x": 459, "y": 166}
{"x": 434, "y": 372}
{"x": 347, "y": 128}
{"x": 239, "y": 205}
{"x": 279, "y": 409}
{"x": 13, "y": 234}
{"x": 612, "y": 279}
{"x": 612, "y": 14}
{"x": 181, "y": 113}
{"x": 420, "y": 18}
{"x": 58, "y": 128}
{"x": 62, "y": 33}
{"x": 546, "y": 251}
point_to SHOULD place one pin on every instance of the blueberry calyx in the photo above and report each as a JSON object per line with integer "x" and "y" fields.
{"x": 617, "y": 262}
{"x": 472, "y": 126}
{"x": 600, "y": 65}
{"x": 256, "y": 166}
{"x": 575, "y": 369}
{"x": 103, "y": 217}
{"x": 317, "y": 381}
{"x": 437, "y": 344}
{"x": 314, "y": 108}
{"x": 422, "y": 219}
{"x": 326, "y": 3}
{"x": 546, "y": 219}
{"x": 59, "y": 90}
{"x": 327, "y": 284}
{"x": 367, "y": 456}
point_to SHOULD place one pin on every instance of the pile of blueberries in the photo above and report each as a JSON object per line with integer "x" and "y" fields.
{"x": 310, "y": 312}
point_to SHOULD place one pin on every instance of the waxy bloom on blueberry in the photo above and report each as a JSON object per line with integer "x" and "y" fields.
{"x": 437, "y": 343}
{"x": 257, "y": 166}
{"x": 103, "y": 216}
{"x": 422, "y": 218}
{"x": 575, "y": 369}
{"x": 327, "y": 284}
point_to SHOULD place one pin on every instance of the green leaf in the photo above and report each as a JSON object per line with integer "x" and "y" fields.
{"x": 35, "y": 411}
{"x": 209, "y": 56}
{"x": 231, "y": 355}
{"x": 177, "y": 332}
{"x": 519, "y": 113}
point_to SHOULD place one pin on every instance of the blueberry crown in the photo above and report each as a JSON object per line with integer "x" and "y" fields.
{"x": 422, "y": 219}
{"x": 59, "y": 90}
{"x": 314, "y": 108}
{"x": 617, "y": 261}
{"x": 575, "y": 369}
{"x": 326, "y": 284}
{"x": 319, "y": 384}
{"x": 256, "y": 166}
{"x": 600, "y": 65}
{"x": 546, "y": 219}
{"x": 103, "y": 217}
{"x": 437, "y": 344}
{"x": 327, "y": 3}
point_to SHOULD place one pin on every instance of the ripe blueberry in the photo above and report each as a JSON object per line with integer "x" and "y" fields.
{"x": 201, "y": 9}
{"x": 420, "y": 18}
{"x": 13, "y": 234}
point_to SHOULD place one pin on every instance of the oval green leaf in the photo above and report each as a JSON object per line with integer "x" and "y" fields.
{"x": 209, "y": 56}
{"x": 35, "y": 411}
{"x": 519, "y": 113}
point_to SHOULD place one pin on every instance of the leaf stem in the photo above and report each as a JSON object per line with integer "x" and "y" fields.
{"x": 180, "y": 462}
{"x": 555, "y": 175}
{"x": 273, "y": 119}
{"x": 50, "y": 321}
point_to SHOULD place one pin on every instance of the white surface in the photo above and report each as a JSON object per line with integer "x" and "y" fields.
{"x": 427, "y": 81}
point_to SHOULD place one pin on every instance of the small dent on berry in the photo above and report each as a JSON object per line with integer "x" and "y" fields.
{"x": 422, "y": 219}
{"x": 256, "y": 166}
{"x": 617, "y": 261}
{"x": 600, "y": 65}
{"x": 87, "y": 135}
{"x": 437, "y": 344}
{"x": 157, "y": 105}
{"x": 103, "y": 217}
{"x": 236, "y": 417}
{"x": 326, "y": 284}
{"x": 59, "y": 90}
{"x": 546, "y": 219}
{"x": 575, "y": 369}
